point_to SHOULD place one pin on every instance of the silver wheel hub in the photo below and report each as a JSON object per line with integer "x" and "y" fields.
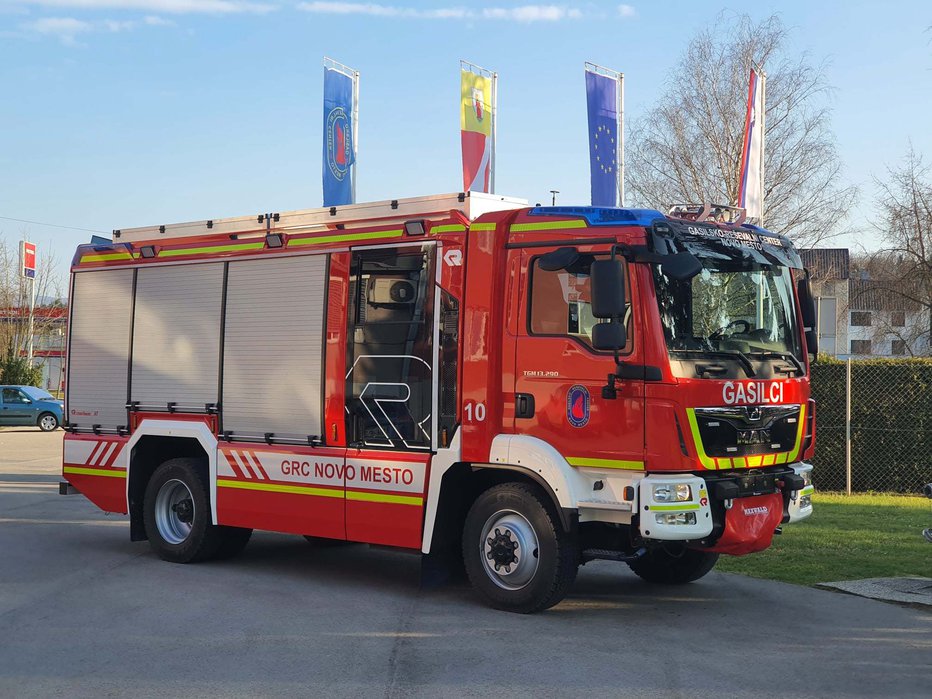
{"x": 509, "y": 550}
{"x": 48, "y": 422}
{"x": 174, "y": 511}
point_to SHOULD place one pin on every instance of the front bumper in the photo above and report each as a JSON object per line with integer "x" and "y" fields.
{"x": 703, "y": 517}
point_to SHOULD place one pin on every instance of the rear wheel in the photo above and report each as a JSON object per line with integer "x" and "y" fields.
{"x": 176, "y": 511}
{"x": 674, "y": 566}
{"x": 47, "y": 422}
{"x": 517, "y": 554}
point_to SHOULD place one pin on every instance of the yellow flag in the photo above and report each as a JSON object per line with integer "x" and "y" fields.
{"x": 476, "y": 108}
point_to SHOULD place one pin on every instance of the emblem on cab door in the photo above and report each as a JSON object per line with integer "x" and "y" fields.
{"x": 577, "y": 406}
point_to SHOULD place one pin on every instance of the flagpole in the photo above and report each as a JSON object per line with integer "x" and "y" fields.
{"x": 621, "y": 139}
{"x": 355, "y": 129}
{"x": 763, "y": 134}
{"x": 494, "y": 131}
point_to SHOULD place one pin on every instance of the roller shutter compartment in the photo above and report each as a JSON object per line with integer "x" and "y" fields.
{"x": 176, "y": 336}
{"x": 99, "y": 329}
{"x": 273, "y": 347}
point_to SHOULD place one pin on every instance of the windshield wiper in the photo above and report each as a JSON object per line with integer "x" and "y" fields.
{"x": 788, "y": 356}
{"x": 730, "y": 354}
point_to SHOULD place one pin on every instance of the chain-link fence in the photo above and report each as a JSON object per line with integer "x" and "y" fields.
{"x": 873, "y": 425}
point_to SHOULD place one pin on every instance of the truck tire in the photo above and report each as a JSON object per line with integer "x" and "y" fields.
{"x": 176, "y": 511}
{"x": 674, "y": 567}
{"x": 47, "y": 422}
{"x": 517, "y": 555}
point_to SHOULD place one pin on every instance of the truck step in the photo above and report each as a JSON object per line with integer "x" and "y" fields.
{"x": 609, "y": 555}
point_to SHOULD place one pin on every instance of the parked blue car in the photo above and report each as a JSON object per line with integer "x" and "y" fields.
{"x": 27, "y": 405}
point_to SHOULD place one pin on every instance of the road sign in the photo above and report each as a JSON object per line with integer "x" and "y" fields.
{"x": 27, "y": 259}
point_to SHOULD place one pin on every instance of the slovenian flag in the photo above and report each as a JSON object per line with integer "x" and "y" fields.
{"x": 476, "y": 130}
{"x": 750, "y": 185}
{"x": 602, "y": 103}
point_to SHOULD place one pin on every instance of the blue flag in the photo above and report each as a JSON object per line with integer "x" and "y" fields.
{"x": 339, "y": 148}
{"x": 602, "y": 103}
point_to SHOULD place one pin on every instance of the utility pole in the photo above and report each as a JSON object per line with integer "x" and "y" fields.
{"x": 553, "y": 197}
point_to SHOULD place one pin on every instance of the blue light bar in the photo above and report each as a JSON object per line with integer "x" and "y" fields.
{"x": 601, "y": 216}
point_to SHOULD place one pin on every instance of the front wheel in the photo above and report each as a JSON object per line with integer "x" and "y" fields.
{"x": 47, "y": 422}
{"x": 517, "y": 554}
{"x": 674, "y": 566}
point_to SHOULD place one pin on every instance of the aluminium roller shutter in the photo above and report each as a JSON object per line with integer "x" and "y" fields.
{"x": 273, "y": 347}
{"x": 99, "y": 329}
{"x": 176, "y": 336}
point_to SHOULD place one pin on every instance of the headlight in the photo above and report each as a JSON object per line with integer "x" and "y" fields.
{"x": 673, "y": 492}
{"x": 675, "y": 517}
{"x": 807, "y": 477}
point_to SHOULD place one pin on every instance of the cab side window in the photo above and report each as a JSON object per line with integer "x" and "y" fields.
{"x": 561, "y": 302}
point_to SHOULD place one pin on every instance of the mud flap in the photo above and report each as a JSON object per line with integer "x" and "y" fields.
{"x": 749, "y": 524}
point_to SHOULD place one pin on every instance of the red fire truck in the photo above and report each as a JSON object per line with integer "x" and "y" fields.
{"x": 527, "y": 388}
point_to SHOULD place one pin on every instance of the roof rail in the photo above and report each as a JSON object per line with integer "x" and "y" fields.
{"x": 719, "y": 213}
{"x": 469, "y": 204}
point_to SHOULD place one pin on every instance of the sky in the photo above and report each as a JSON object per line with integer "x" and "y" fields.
{"x": 123, "y": 113}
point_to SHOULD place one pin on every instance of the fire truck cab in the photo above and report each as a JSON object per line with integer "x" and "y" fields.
{"x": 523, "y": 389}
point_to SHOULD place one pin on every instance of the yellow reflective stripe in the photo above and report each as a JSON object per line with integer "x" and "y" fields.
{"x": 705, "y": 460}
{"x": 723, "y": 462}
{"x": 321, "y": 492}
{"x": 280, "y": 488}
{"x": 452, "y": 228}
{"x": 233, "y": 247}
{"x": 808, "y": 490}
{"x": 754, "y": 461}
{"x": 769, "y": 459}
{"x": 548, "y": 225}
{"x": 799, "y": 434}
{"x": 384, "y": 497}
{"x": 781, "y": 457}
{"x": 93, "y": 472}
{"x": 344, "y": 237}
{"x": 482, "y": 226}
{"x": 605, "y": 463}
{"x": 107, "y": 256}
{"x": 671, "y": 508}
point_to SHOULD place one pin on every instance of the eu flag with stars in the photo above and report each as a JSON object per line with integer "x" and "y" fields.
{"x": 602, "y": 103}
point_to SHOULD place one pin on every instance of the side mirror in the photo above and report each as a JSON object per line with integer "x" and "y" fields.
{"x": 609, "y": 336}
{"x": 681, "y": 266}
{"x": 808, "y": 309}
{"x": 607, "y": 282}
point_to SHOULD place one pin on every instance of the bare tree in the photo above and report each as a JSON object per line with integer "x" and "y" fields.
{"x": 688, "y": 147}
{"x": 903, "y": 267}
{"x": 14, "y": 298}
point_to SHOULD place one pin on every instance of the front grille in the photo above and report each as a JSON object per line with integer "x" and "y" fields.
{"x": 747, "y": 430}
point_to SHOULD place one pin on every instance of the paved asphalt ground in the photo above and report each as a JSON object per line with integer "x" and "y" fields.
{"x": 86, "y": 613}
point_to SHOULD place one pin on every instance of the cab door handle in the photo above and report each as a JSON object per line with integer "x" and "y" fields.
{"x": 524, "y": 405}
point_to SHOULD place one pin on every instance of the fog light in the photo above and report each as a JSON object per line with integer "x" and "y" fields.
{"x": 675, "y": 517}
{"x": 673, "y": 492}
{"x": 805, "y": 501}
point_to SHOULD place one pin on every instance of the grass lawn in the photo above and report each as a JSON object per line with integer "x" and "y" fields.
{"x": 846, "y": 538}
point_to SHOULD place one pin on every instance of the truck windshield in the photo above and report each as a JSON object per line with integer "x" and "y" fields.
{"x": 729, "y": 309}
